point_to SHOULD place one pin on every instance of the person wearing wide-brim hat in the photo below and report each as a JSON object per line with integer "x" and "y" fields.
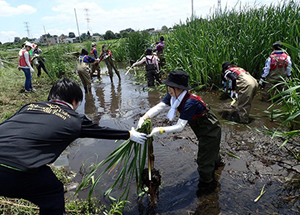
{"x": 243, "y": 90}
{"x": 203, "y": 122}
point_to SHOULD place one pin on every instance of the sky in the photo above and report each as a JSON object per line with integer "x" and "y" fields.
{"x": 33, "y": 18}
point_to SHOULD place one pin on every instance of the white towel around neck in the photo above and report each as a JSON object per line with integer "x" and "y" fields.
{"x": 174, "y": 104}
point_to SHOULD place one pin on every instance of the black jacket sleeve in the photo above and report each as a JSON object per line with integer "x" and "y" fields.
{"x": 92, "y": 130}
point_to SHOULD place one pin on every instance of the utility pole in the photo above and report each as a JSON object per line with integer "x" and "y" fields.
{"x": 77, "y": 26}
{"x": 219, "y": 5}
{"x": 44, "y": 29}
{"x": 27, "y": 29}
{"x": 192, "y": 9}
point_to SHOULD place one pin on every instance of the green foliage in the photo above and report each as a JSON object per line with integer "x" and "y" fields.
{"x": 131, "y": 158}
{"x": 243, "y": 35}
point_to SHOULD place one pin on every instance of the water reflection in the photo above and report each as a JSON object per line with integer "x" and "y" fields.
{"x": 115, "y": 101}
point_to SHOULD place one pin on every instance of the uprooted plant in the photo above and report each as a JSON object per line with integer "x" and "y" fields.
{"x": 130, "y": 157}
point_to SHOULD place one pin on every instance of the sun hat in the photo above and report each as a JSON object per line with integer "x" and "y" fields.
{"x": 178, "y": 79}
{"x": 29, "y": 44}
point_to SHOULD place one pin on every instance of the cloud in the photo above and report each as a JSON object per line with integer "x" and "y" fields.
{"x": 7, "y": 36}
{"x": 7, "y": 11}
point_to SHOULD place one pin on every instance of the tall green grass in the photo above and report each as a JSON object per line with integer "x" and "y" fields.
{"x": 243, "y": 35}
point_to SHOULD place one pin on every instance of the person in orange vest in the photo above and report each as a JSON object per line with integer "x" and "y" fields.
{"x": 278, "y": 65}
{"x": 25, "y": 65}
{"x": 243, "y": 90}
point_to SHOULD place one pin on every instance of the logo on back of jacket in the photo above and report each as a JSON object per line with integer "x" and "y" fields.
{"x": 51, "y": 109}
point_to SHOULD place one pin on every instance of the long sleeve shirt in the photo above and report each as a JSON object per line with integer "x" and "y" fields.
{"x": 266, "y": 69}
{"x": 149, "y": 57}
{"x": 94, "y": 52}
{"x": 39, "y": 132}
{"x": 86, "y": 59}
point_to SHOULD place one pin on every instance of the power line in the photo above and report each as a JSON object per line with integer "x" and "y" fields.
{"x": 87, "y": 19}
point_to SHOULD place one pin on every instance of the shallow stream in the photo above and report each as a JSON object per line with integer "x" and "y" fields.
{"x": 119, "y": 105}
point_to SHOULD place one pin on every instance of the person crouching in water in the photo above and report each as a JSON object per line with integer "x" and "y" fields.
{"x": 244, "y": 88}
{"x": 84, "y": 70}
{"x": 202, "y": 120}
{"x": 106, "y": 55}
{"x": 152, "y": 67}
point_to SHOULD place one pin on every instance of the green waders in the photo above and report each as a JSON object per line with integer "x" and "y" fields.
{"x": 84, "y": 74}
{"x": 96, "y": 67}
{"x": 246, "y": 87}
{"x": 208, "y": 131}
{"x": 110, "y": 65}
{"x": 273, "y": 78}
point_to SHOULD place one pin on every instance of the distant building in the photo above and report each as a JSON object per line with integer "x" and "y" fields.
{"x": 45, "y": 40}
{"x": 97, "y": 38}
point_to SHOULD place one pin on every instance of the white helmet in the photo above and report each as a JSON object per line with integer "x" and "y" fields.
{"x": 94, "y": 44}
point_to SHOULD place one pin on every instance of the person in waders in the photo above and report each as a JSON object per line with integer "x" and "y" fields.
{"x": 278, "y": 66}
{"x": 204, "y": 123}
{"x": 36, "y": 135}
{"x": 243, "y": 90}
{"x": 106, "y": 55}
{"x": 39, "y": 61}
{"x": 95, "y": 65}
{"x": 84, "y": 70}
{"x": 152, "y": 67}
{"x": 159, "y": 49}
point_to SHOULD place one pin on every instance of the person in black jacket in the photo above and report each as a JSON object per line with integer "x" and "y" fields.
{"x": 26, "y": 150}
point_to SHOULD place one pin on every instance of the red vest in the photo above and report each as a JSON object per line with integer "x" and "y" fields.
{"x": 22, "y": 61}
{"x": 192, "y": 96}
{"x": 278, "y": 60}
{"x": 237, "y": 70}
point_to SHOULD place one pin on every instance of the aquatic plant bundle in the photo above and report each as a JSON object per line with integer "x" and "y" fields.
{"x": 130, "y": 157}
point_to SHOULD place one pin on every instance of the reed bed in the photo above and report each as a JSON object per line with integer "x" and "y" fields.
{"x": 242, "y": 35}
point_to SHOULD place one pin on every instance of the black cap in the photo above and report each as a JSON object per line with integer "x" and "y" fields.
{"x": 225, "y": 65}
{"x": 148, "y": 51}
{"x": 179, "y": 79}
{"x": 277, "y": 45}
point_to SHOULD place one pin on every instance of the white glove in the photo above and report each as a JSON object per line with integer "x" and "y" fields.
{"x": 133, "y": 65}
{"x": 31, "y": 70}
{"x": 233, "y": 94}
{"x": 137, "y": 136}
{"x": 141, "y": 121}
{"x": 261, "y": 82}
{"x": 156, "y": 131}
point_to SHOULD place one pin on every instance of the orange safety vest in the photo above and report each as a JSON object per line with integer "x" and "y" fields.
{"x": 22, "y": 61}
{"x": 278, "y": 60}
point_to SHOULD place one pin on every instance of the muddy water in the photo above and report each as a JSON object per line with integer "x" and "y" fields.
{"x": 120, "y": 105}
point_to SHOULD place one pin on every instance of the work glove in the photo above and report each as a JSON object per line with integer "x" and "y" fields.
{"x": 261, "y": 82}
{"x": 156, "y": 131}
{"x": 31, "y": 70}
{"x": 141, "y": 121}
{"x": 233, "y": 95}
{"x": 137, "y": 136}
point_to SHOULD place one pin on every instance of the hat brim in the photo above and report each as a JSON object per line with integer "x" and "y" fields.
{"x": 172, "y": 84}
